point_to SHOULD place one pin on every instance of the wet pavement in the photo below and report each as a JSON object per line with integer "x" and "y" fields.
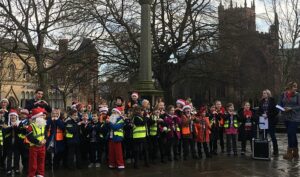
{"x": 220, "y": 165}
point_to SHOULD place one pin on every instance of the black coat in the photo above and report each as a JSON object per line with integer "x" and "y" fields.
{"x": 30, "y": 105}
{"x": 272, "y": 111}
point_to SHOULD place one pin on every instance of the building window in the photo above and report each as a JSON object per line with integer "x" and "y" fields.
{"x": 11, "y": 72}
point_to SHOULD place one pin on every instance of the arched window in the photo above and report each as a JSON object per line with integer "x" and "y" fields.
{"x": 31, "y": 95}
{"x": 11, "y": 72}
{"x": 23, "y": 99}
{"x": 22, "y": 95}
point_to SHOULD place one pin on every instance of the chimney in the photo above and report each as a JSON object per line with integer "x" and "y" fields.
{"x": 63, "y": 45}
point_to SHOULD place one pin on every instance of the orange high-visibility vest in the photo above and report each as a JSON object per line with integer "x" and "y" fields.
{"x": 186, "y": 130}
{"x": 59, "y": 134}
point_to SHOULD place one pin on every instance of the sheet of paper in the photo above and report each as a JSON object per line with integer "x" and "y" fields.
{"x": 263, "y": 123}
{"x": 280, "y": 108}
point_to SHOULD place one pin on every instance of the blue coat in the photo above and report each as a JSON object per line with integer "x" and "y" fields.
{"x": 114, "y": 127}
{"x": 51, "y": 126}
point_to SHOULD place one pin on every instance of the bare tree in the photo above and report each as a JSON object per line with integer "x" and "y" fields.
{"x": 31, "y": 29}
{"x": 180, "y": 29}
{"x": 288, "y": 14}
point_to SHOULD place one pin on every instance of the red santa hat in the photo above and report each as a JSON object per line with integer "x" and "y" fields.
{"x": 103, "y": 109}
{"x": 13, "y": 112}
{"x": 181, "y": 101}
{"x": 118, "y": 110}
{"x": 37, "y": 112}
{"x": 24, "y": 111}
{"x": 186, "y": 107}
{"x": 4, "y": 100}
{"x": 135, "y": 94}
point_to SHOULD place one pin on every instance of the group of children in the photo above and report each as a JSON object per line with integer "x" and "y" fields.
{"x": 124, "y": 134}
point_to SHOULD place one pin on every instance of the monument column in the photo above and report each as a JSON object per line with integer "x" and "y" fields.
{"x": 145, "y": 85}
{"x": 145, "y": 70}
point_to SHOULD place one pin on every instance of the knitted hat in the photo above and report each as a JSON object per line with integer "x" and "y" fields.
{"x": 186, "y": 107}
{"x": 135, "y": 94}
{"x": 103, "y": 109}
{"x": 24, "y": 111}
{"x": 4, "y": 100}
{"x": 118, "y": 110}
{"x": 37, "y": 112}
{"x": 181, "y": 101}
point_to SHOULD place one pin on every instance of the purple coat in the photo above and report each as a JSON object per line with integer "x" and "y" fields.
{"x": 173, "y": 125}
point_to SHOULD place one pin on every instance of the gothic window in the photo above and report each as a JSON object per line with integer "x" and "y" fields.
{"x": 31, "y": 95}
{"x": 27, "y": 95}
{"x": 23, "y": 99}
{"x": 11, "y": 72}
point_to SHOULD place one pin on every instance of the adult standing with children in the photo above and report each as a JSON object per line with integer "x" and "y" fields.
{"x": 267, "y": 109}
{"x": 290, "y": 101}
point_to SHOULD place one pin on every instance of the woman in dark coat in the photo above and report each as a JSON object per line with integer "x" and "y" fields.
{"x": 267, "y": 109}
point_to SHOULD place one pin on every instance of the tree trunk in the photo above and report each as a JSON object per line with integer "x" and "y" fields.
{"x": 43, "y": 83}
{"x": 65, "y": 101}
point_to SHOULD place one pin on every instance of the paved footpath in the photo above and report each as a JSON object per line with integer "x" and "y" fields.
{"x": 220, "y": 165}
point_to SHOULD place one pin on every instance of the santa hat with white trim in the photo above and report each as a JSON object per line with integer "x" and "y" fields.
{"x": 186, "y": 107}
{"x": 12, "y": 112}
{"x": 103, "y": 109}
{"x": 118, "y": 110}
{"x": 181, "y": 101}
{"x": 37, "y": 112}
{"x": 135, "y": 94}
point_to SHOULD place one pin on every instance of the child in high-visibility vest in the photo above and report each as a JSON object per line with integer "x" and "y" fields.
{"x": 153, "y": 134}
{"x": 72, "y": 137}
{"x": 37, "y": 138}
{"x": 231, "y": 129}
{"x": 186, "y": 131}
{"x": 139, "y": 137}
{"x": 55, "y": 132}
{"x": 202, "y": 127}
